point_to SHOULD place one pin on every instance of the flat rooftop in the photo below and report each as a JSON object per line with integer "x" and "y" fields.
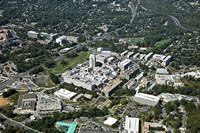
{"x": 72, "y": 126}
{"x": 132, "y": 124}
{"x": 146, "y": 96}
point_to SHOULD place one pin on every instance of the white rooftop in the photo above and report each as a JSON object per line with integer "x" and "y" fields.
{"x": 65, "y": 93}
{"x": 132, "y": 125}
{"x": 159, "y": 56}
{"x": 125, "y": 62}
{"x": 161, "y": 71}
{"x": 110, "y": 121}
{"x": 147, "y": 96}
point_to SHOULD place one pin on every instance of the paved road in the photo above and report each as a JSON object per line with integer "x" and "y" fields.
{"x": 183, "y": 119}
{"x": 15, "y": 123}
{"x": 105, "y": 127}
{"x": 177, "y": 22}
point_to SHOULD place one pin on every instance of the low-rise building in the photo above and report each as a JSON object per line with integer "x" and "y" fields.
{"x": 162, "y": 71}
{"x": 78, "y": 97}
{"x": 72, "y": 38}
{"x": 61, "y": 40}
{"x": 65, "y": 94}
{"x": 167, "y": 97}
{"x": 26, "y": 104}
{"x": 88, "y": 96}
{"x": 148, "y": 125}
{"x": 110, "y": 121}
{"x": 132, "y": 125}
{"x": 172, "y": 80}
{"x": 146, "y": 99}
{"x": 48, "y": 104}
{"x": 32, "y": 34}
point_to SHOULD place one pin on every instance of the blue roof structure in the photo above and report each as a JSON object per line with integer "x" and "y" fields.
{"x": 72, "y": 126}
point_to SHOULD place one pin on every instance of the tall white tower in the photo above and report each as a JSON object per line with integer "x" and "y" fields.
{"x": 92, "y": 61}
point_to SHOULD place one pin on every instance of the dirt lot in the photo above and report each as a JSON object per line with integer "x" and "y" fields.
{"x": 4, "y": 102}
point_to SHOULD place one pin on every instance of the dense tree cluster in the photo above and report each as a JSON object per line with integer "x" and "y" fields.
{"x": 9, "y": 93}
{"x": 47, "y": 124}
{"x": 50, "y": 64}
{"x": 71, "y": 55}
{"x": 37, "y": 69}
{"x": 37, "y": 53}
{"x": 71, "y": 87}
{"x": 54, "y": 78}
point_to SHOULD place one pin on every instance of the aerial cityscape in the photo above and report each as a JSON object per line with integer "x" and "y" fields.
{"x": 99, "y": 66}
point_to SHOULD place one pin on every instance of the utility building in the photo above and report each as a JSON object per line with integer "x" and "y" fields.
{"x": 132, "y": 125}
{"x": 146, "y": 99}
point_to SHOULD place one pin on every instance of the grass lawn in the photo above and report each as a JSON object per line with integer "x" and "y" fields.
{"x": 42, "y": 84}
{"x": 72, "y": 62}
{"x": 160, "y": 43}
{"x": 21, "y": 118}
{"x": 135, "y": 40}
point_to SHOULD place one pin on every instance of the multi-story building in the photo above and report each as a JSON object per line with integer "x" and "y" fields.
{"x": 166, "y": 61}
{"x": 110, "y": 89}
{"x": 125, "y": 64}
{"x": 148, "y": 56}
{"x": 92, "y": 61}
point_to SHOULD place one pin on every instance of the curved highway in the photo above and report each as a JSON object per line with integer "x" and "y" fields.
{"x": 177, "y": 22}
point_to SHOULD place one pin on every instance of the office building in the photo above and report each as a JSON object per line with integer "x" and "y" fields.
{"x": 110, "y": 89}
{"x": 130, "y": 54}
{"x": 125, "y": 64}
{"x": 166, "y": 61}
{"x": 102, "y": 58}
{"x": 148, "y": 56}
{"x": 136, "y": 55}
{"x": 158, "y": 57}
{"x": 139, "y": 77}
{"x": 124, "y": 53}
{"x": 129, "y": 73}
